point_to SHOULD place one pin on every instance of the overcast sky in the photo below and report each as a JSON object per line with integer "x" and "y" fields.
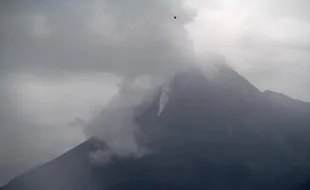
{"x": 62, "y": 61}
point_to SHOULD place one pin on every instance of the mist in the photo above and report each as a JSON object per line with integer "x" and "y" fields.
{"x": 70, "y": 70}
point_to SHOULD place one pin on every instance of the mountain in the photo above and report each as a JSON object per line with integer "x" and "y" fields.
{"x": 68, "y": 171}
{"x": 287, "y": 102}
{"x": 204, "y": 132}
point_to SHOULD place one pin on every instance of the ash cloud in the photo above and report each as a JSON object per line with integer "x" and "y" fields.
{"x": 137, "y": 41}
{"x": 140, "y": 42}
{"x": 125, "y": 38}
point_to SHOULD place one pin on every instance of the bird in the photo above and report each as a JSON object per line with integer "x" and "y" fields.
{"x": 175, "y": 17}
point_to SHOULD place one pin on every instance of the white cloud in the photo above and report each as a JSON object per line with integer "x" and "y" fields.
{"x": 259, "y": 39}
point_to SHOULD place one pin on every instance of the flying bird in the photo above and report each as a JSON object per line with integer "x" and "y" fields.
{"x": 175, "y": 17}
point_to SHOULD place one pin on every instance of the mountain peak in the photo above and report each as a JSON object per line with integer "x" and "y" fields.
{"x": 221, "y": 76}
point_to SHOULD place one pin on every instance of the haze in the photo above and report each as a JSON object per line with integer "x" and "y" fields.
{"x": 64, "y": 61}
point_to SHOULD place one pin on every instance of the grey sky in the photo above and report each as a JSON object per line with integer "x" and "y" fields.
{"x": 62, "y": 61}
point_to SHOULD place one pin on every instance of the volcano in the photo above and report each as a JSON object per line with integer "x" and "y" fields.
{"x": 205, "y": 132}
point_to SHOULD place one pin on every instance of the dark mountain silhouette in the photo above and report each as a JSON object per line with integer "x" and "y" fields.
{"x": 287, "y": 102}
{"x": 217, "y": 132}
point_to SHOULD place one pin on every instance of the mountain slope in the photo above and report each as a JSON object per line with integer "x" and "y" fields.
{"x": 69, "y": 171}
{"x": 213, "y": 133}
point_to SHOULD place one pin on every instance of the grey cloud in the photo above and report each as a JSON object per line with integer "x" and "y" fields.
{"x": 143, "y": 38}
{"x": 116, "y": 126}
{"x": 52, "y": 40}
{"x": 19, "y": 143}
{"x": 134, "y": 39}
